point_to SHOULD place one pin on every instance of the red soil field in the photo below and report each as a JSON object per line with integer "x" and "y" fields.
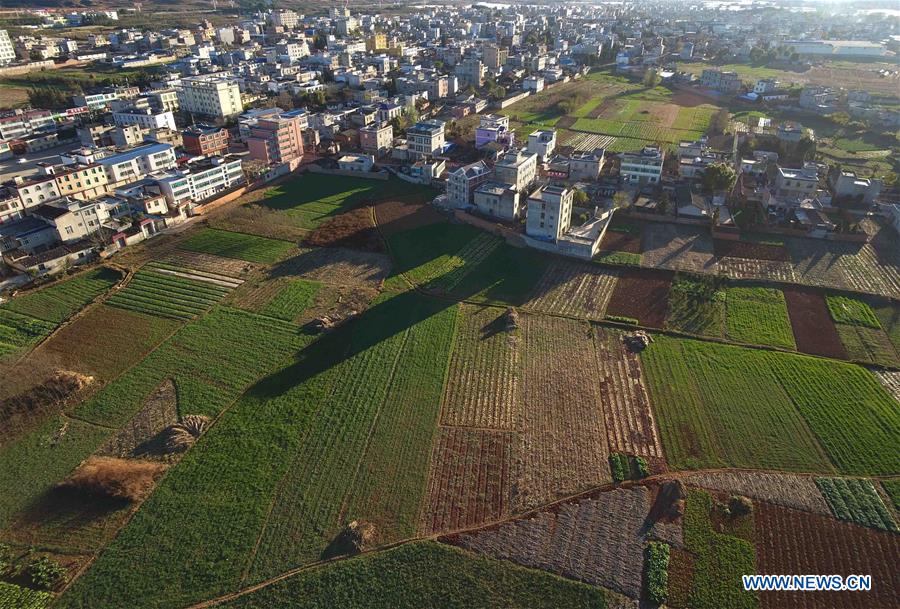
{"x": 643, "y": 295}
{"x": 814, "y": 331}
{"x": 753, "y": 251}
{"x": 403, "y": 214}
{"x": 354, "y": 229}
{"x": 621, "y": 242}
{"x": 790, "y": 541}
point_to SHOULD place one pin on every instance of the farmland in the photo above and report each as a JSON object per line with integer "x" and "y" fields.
{"x": 814, "y": 331}
{"x": 642, "y": 296}
{"x": 17, "y": 597}
{"x": 758, "y": 316}
{"x": 854, "y": 500}
{"x": 790, "y": 490}
{"x": 242, "y": 246}
{"x": 57, "y": 302}
{"x": 574, "y": 289}
{"x": 166, "y": 293}
{"x": 696, "y": 305}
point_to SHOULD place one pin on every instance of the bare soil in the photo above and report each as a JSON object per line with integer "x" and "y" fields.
{"x": 643, "y": 295}
{"x": 398, "y": 215}
{"x": 754, "y": 251}
{"x": 814, "y": 331}
{"x": 621, "y": 242}
{"x": 354, "y": 229}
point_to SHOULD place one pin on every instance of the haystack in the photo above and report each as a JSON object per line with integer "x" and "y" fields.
{"x": 113, "y": 478}
{"x": 637, "y": 341}
{"x": 182, "y": 435}
{"x": 511, "y": 319}
{"x": 359, "y": 534}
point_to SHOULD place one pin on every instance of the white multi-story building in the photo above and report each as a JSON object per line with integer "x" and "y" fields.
{"x": 164, "y": 100}
{"x": 517, "y": 168}
{"x": 462, "y": 182}
{"x": 7, "y": 51}
{"x": 498, "y": 200}
{"x": 799, "y": 183}
{"x": 200, "y": 180}
{"x": 549, "y": 213}
{"x": 642, "y": 167}
{"x": 145, "y": 119}
{"x": 542, "y": 143}
{"x": 284, "y": 18}
{"x": 425, "y": 138}
{"x": 210, "y": 95}
{"x": 470, "y": 73}
{"x": 137, "y": 163}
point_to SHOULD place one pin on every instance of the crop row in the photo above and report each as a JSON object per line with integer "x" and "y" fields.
{"x": 166, "y": 295}
{"x": 59, "y": 301}
{"x": 857, "y": 501}
{"x": 242, "y": 246}
{"x": 851, "y": 311}
{"x": 758, "y": 316}
{"x": 457, "y": 266}
{"x": 17, "y": 597}
{"x": 18, "y": 331}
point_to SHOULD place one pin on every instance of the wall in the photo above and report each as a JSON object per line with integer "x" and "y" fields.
{"x": 369, "y": 175}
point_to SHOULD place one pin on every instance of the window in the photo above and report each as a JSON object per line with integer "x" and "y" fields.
{"x": 69, "y": 230}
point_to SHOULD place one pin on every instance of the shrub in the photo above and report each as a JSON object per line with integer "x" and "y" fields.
{"x": 7, "y": 560}
{"x": 623, "y": 320}
{"x": 44, "y": 573}
{"x": 114, "y": 478}
{"x": 617, "y": 464}
{"x": 739, "y": 505}
{"x": 642, "y": 467}
{"x": 657, "y": 572}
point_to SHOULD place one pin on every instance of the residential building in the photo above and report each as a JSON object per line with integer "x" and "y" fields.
{"x": 284, "y": 18}
{"x": 765, "y": 85}
{"x": 642, "y": 167}
{"x": 376, "y": 138}
{"x": 7, "y": 51}
{"x": 200, "y": 180}
{"x": 164, "y": 100}
{"x": 470, "y": 73}
{"x": 723, "y": 82}
{"x": 549, "y": 212}
{"x": 356, "y": 162}
{"x": 498, "y": 200}
{"x": 797, "y": 183}
{"x": 212, "y": 96}
{"x": 534, "y": 84}
{"x": 517, "y": 168}
{"x": 34, "y": 191}
{"x": 493, "y": 128}
{"x": 789, "y": 132}
{"x": 849, "y": 185}
{"x": 494, "y": 56}
{"x": 205, "y": 140}
{"x": 145, "y": 118}
{"x": 376, "y": 42}
{"x": 136, "y": 163}
{"x": 277, "y": 139}
{"x": 425, "y": 138}
{"x": 542, "y": 143}
{"x": 83, "y": 182}
{"x": 462, "y": 182}
{"x": 22, "y": 123}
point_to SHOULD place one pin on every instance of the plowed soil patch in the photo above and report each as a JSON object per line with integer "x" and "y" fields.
{"x": 753, "y": 251}
{"x": 790, "y": 541}
{"x": 404, "y": 214}
{"x": 643, "y": 295}
{"x": 621, "y": 242}
{"x": 566, "y": 122}
{"x": 354, "y": 229}
{"x": 814, "y": 332}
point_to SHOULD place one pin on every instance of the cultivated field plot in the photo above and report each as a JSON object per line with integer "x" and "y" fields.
{"x": 889, "y": 317}
{"x": 677, "y": 247}
{"x": 789, "y": 490}
{"x": 563, "y": 446}
{"x": 397, "y": 215}
{"x": 17, "y": 332}
{"x": 135, "y": 438}
{"x": 484, "y": 387}
{"x": 642, "y": 295}
{"x": 336, "y": 266}
{"x": 758, "y": 316}
{"x": 573, "y": 288}
{"x": 57, "y": 302}
{"x": 599, "y": 540}
{"x": 891, "y": 382}
{"x": 745, "y": 268}
{"x": 587, "y": 141}
{"x": 630, "y": 426}
{"x": 854, "y": 500}
{"x": 207, "y": 263}
{"x": 697, "y": 306}
{"x": 867, "y": 345}
{"x": 814, "y": 332}
{"x": 354, "y": 229}
{"x": 470, "y": 481}
{"x": 171, "y": 294}
{"x": 17, "y": 597}
{"x": 750, "y": 250}
{"x": 242, "y": 246}
{"x": 789, "y": 541}
{"x": 846, "y": 265}
{"x": 447, "y": 272}
{"x": 279, "y": 297}
{"x": 721, "y": 406}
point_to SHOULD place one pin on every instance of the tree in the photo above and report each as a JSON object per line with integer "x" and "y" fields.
{"x": 719, "y": 122}
{"x": 651, "y": 78}
{"x": 580, "y": 198}
{"x": 621, "y": 199}
{"x": 284, "y": 100}
{"x": 320, "y": 42}
{"x": 718, "y": 177}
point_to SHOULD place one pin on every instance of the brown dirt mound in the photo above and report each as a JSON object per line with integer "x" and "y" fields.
{"x": 621, "y": 242}
{"x": 53, "y": 392}
{"x": 354, "y": 229}
{"x": 404, "y": 214}
{"x": 643, "y": 295}
{"x": 792, "y": 541}
{"x": 753, "y": 251}
{"x": 813, "y": 328}
{"x": 114, "y": 478}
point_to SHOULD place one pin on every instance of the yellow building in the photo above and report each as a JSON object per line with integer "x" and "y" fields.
{"x": 83, "y": 182}
{"x": 376, "y": 42}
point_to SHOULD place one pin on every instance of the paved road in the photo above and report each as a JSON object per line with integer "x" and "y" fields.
{"x": 11, "y": 167}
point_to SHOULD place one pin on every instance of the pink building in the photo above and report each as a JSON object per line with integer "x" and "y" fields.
{"x": 276, "y": 140}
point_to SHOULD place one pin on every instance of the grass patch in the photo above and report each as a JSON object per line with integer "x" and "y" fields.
{"x": 720, "y": 560}
{"x": 889, "y": 317}
{"x": 164, "y": 295}
{"x": 292, "y": 299}
{"x": 618, "y": 258}
{"x": 697, "y": 305}
{"x": 851, "y": 311}
{"x": 237, "y": 245}
{"x": 57, "y": 302}
{"x": 857, "y": 501}
{"x": 758, "y": 316}
{"x": 656, "y": 572}
{"x": 424, "y": 574}
{"x": 892, "y": 488}
{"x": 867, "y": 345}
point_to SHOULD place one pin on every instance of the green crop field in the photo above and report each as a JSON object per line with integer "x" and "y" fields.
{"x": 720, "y": 406}
{"x": 311, "y": 199}
{"x": 17, "y": 597}
{"x": 758, "y": 316}
{"x": 889, "y": 316}
{"x": 157, "y": 292}
{"x": 719, "y": 559}
{"x": 18, "y": 332}
{"x": 429, "y": 252}
{"x": 506, "y": 277}
{"x": 292, "y": 299}
{"x": 424, "y": 574}
{"x": 59, "y": 301}
{"x": 279, "y": 467}
{"x": 892, "y": 488}
{"x": 868, "y": 345}
{"x": 851, "y": 311}
{"x": 857, "y": 501}
{"x": 697, "y": 307}
{"x": 237, "y": 245}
